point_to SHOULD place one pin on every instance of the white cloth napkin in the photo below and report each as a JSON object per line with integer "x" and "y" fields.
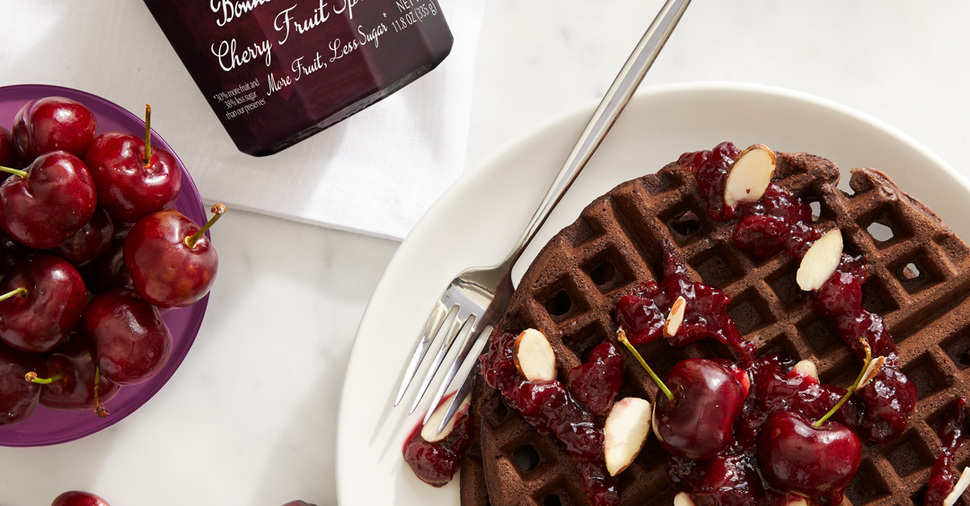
{"x": 375, "y": 173}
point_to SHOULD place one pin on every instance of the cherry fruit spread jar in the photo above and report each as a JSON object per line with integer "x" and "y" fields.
{"x": 278, "y": 71}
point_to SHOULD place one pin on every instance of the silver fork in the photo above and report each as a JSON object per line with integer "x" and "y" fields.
{"x": 475, "y": 300}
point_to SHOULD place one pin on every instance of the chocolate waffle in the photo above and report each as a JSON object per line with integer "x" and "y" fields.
{"x": 920, "y": 284}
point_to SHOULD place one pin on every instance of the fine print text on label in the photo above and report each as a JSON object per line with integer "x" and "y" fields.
{"x": 289, "y": 25}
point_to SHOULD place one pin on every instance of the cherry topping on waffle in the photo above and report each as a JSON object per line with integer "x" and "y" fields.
{"x": 550, "y": 409}
{"x": 952, "y": 433}
{"x": 596, "y": 382}
{"x": 891, "y": 397}
{"x": 642, "y": 313}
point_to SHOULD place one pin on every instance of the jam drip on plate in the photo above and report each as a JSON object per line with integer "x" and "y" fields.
{"x": 436, "y": 463}
{"x": 952, "y": 433}
{"x": 550, "y": 407}
{"x": 781, "y": 221}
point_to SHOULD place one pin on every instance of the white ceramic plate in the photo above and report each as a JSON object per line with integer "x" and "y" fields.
{"x": 484, "y": 212}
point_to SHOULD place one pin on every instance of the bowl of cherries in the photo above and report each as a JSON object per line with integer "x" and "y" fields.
{"x": 105, "y": 263}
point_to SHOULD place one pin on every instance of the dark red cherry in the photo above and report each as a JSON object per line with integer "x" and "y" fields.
{"x": 46, "y": 298}
{"x": 108, "y": 271}
{"x": 698, "y": 422}
{"x": 799, "y": 457}
{"x": 69, "y": 375}
{"x": 53, "y": 123}
{"x": 52, "y": 199}
{"x": 18, "y": 397}
{"x": 171, "y": 261}
{"x": 79, "y": 498}
{"x": 11, "y": 252}
{"x": 89, "y": 242}
{"x": 132, "y": 183}
{"x": 9, "y": 156}
{"x": 730, "y": 480}
{"x": 132, "y": 341}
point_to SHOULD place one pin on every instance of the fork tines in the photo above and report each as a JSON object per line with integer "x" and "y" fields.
{"x": 447, "y": 328}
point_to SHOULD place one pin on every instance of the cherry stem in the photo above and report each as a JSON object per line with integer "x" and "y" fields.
{"x": 148, "y": 134}
{"x": 17, "y": 291}
{"x": 16, "y": 172}
{"x": 621, "y": 336}
{"x": 98, "y": 408}
{"x": 33, "y": 378}
{"x": 853, "y": 388}
{"x": 217, "y": 211}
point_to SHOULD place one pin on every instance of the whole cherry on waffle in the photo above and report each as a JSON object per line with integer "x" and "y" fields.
{"x": 697, "y": 405}
{"x": 814, "y": 459}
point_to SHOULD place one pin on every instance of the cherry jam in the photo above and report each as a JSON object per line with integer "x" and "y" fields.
{"x": 775, "y": 385}
{"x": 781, "y": 218}
{"x": 551, "y": 408}
{"x": 952, "y": 433}
{"x": 642, "y": 312}
{"x": 436, "y": 463}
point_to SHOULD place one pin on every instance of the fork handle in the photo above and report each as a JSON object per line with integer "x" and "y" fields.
{"x": 605, "y": 115}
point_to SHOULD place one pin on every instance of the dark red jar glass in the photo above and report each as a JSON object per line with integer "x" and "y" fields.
{"x": 278, "y": 71}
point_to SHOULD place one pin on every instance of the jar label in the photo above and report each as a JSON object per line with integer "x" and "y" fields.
{"x": 303, "y": 63}
{"x": 371, "y": 27}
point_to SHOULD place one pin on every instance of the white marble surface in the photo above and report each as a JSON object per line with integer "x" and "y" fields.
{"x": 250, "y": 417}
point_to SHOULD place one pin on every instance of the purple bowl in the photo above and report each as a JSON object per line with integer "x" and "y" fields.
{"x": 48, "y": 426}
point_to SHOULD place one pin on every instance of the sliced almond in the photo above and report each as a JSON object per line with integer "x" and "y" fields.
{"x": 959, "y": 488}
{"x": 806, "y": 368}
{"x": 796, "y": 500}
{"x": 820, "y": 261}
{"x": 429, "y": 432}
{"x": 534, "y": 356}
{"x": 875, "y": 365}
{"x": 683, "y": 499}
{"x": 675, "y": 317}
{"x": 749, "y": 176}
{"x": 624, "y": 432}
